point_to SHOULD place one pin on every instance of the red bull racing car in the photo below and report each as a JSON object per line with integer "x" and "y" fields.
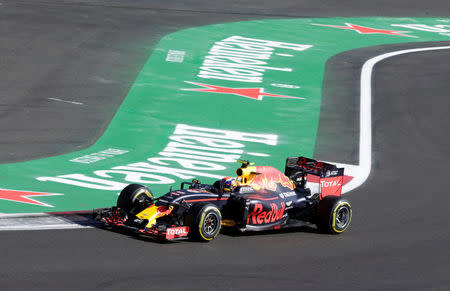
{"x": 258, "y": 198}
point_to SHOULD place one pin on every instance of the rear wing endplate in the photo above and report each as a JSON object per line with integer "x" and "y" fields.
{"x": 323, "y": 178}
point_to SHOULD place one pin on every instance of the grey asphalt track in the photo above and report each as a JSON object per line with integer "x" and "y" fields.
{"x": 74, "y": 50}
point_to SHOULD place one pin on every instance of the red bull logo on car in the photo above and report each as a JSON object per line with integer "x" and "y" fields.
{"x": 268, "y": 178}
{"x": 261, "y": 216}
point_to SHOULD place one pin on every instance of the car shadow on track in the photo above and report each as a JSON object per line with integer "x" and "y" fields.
{"x": 86, "y": 220}
{"x": 230, "y": 233}
{"x": 298, "y": 229}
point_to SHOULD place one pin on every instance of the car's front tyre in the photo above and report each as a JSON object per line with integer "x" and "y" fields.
{"x": 134, "y": 198}
{"x": 205, "y": 221}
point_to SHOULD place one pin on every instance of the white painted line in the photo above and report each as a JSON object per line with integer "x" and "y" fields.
{"x": 257, "y": 154}
{"x": 361, "y": 172}
{"x": 65, "y": 101}
{"x": 43, "y": 227}
{"x": 12, "y": 215}
{"x": 42, "y": 221}
{"x": 284, "y": 55}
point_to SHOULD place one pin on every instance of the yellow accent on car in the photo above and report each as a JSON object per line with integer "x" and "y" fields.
{"x": 200, "y": 226}
{"x": 152, "y": 213}
{"x": 228, "y": 222}
{"x": 245, "y": 175}
{"x": 140, "y": 192}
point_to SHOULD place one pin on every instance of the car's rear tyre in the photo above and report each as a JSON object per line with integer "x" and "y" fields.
{"x": 334, "y": 215}
{"x": 134, "y": 198}
{"x": 205, "y": 221}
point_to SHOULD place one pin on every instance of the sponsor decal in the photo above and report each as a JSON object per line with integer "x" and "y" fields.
{"x": 102, "y": 155}
{"x": 331, "y": 173}
{"x": 331, "y": 186}
{"x": 261, "y": 216}
{"x": 326, "y": 184}
{"x": 192, "y": 152}
{"x": 269, "y": 178}
{"x": 175, "y": 56}
{"x": 174, "y": 232}
{"x": 252, "y": 93}
{"x": 309, "y": 164}
{"x": 287, "y": 194}
{"x": 367, "y": 30}
{"x": 244, "y": 59}
{"x": 246, "y": 189}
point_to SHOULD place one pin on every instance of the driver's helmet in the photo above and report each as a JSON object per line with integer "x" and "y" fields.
{"x": 227, "y": 184}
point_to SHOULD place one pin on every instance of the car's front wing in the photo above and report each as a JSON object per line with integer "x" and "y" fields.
{"x": 115, "y": 217}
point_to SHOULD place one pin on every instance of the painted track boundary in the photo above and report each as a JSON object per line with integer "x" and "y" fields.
{"x": 360, "y": 172}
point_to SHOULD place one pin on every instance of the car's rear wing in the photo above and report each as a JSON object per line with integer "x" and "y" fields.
{"x": 323, "y": 178}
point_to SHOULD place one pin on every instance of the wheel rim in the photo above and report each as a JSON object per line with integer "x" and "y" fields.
{"x": 141, "y": 199}
{"x": 210, "y": 224}
{"x": 342, "y": 217}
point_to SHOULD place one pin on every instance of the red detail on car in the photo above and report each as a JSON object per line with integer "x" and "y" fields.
{"x": 152, "y": 231}
{"x": 163, "y": 210}
{"x": 312, "y": 178}
{"x": 315, "y": 179}
{"x": 347, "y": 179}
{"x": 206, "y": 199}
{"x": 174, "y": 232}
{"x": 115, "y": 219}
{"x": 261, "y": 197}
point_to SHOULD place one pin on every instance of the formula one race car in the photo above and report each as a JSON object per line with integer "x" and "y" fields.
{"x": 259, "y": 198}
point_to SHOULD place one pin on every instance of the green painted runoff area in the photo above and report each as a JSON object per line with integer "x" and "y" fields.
{"x": 206, "y": 97}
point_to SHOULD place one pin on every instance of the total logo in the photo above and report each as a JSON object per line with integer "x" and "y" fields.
{"x": 326, "y": 184}
{"x": 177, "y": 232}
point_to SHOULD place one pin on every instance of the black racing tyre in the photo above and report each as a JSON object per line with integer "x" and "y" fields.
{"x": 334, "y": 214}
{"x": 204, "y": 221}
{"x": 134, "y": 197}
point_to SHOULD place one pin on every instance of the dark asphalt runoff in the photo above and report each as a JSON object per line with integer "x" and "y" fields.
{"x": 91, "y": 51}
